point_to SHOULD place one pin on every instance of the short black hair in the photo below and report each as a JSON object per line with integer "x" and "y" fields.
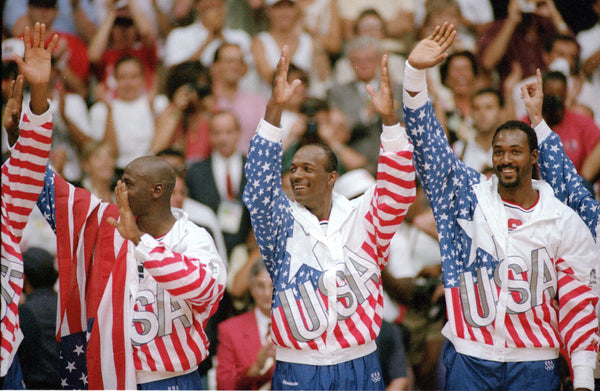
{"x": 519, "y": 125}
{"x": 493, "y": 91}
{"x": 43, "y": 3}
{"x": 331, "y": 161}
{"x": 464, "y": 53}
{"x": 554, "y": 75}
{"x": 38, "y": 265}
{"x": 192, "y": 73}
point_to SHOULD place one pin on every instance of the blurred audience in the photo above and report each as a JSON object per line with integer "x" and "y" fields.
{"x": 125, "y": 31}
{"x": 248, "y": 365}
{"x": 127, "y": 122}
{"x": 218, "y": 181}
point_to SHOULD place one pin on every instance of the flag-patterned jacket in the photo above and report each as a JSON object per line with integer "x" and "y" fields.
{"x": 557, "y": 169}
{"x": 22, "y": 181}
{"x": 327, "y": 299}
{"x": 510, "y": 296}
{"x": 131, "y": 314}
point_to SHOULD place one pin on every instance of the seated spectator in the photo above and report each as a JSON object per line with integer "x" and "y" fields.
{"x": 399, "y": 17}
{"x": 284, "y": 29}
{"x": 184, "y": 123}
{"x": 219, "y": 180}
{"x": 70, "y": 55}
{"x": 248, "y": 365}
{"x": 38, "y": 353}
{"x": 227, "y": 70}
{"x": 73, "y": 17}
{"x": 352, "y": 98}
{"x": 98, "y": 162}
{"x": 199, "y": 40}
{"x": 127, "y": 123}
{"x": 125, "y": 31}
{"x": 371, "y": 24}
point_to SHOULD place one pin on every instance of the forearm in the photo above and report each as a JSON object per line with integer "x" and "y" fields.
{"x": 198, "y": 277}
{"x": 494, "y": 52}
{"x": 99, "y": 41}
{"x": 592, "y": 63}
{"x": 166, "y": 125}
{"x": 84, "y": 25}
{"x": 590, "y": 170}
{"x": 77, "y": 135}
{"x": 73, "y": 81}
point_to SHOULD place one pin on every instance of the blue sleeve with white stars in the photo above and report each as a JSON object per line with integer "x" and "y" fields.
{"x": 441, "y": 173}
{"x": 269, "y": 208}
{"x": 45, "y": 201}
{"x": 558, "y": 170}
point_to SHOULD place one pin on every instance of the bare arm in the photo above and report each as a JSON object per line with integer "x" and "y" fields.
{"x": 494, "y": 52}
{"x": 262, "y": 65}
{"x": 592, "y": 63}
{"x": 99, "y": 41}
{"x": 86, "y": 29}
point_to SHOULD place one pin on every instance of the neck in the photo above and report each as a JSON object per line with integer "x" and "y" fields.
{"x": 228, "y": 90}
{"x": 323, "y": 210}
{"x": 484, "y": 139}
{"x": 524, "y": 197}
{"x": 158, "y": 223}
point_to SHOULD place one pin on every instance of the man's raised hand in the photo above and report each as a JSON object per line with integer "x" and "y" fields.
{"x": 432, "y": 50}
{"x": 36, "y": 63}
{"x": 282, "y": 90}
{"x": 533, "y": 97}
{"x": 383, "y": 100}
{"x": 126, "y": 225}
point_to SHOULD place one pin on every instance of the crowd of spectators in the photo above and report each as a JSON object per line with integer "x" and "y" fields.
{"x": 189, "y": 80}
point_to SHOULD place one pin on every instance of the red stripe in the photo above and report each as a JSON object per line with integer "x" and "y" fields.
{"x": 118, "y": 299}
{"x": 180, "y": 350}
{"x": 528, "y": 327}
{"x": 457, "y": 316}
{"x": 164, "y": 354}
{"x": 510, "y": 327}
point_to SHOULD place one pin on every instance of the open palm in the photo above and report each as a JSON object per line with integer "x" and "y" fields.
{"x": 432, "y": 50}
{"x": 36, "y": 63}
{"x": 282, "y": 90}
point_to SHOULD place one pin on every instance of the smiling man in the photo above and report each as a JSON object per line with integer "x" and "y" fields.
{"x": 325, "y": 253}
{"x": 518, "y": 264}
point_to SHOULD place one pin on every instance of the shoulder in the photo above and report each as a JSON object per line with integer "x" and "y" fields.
{"x": 234, "y": 324}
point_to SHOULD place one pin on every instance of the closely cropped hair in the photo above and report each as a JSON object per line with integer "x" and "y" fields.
{"x": 554, "y": 75}
{"x": 369, "y": 12}
{"x": 493, "y": 91}
{"x": 519, "y": 125}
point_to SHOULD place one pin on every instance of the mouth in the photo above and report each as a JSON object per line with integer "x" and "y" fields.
{"x": 300, "y": 187}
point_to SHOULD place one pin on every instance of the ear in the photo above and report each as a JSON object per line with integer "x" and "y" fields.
{"x": 534, "y": 156}
{"x": 157, "y": 190}
{"x": 331, "y": 178}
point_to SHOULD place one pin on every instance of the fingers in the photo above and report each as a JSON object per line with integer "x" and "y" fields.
{"x": 36, "y": 35}
{"x": 17, "y": 92}
{"x": 53, "y": 43}
{"x": 384, "y": 70}
{"x": 538, "y": 78}
{"x": 27, "y": 39}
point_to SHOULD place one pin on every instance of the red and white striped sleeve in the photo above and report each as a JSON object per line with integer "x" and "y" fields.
{"x": 22, "y": 182}
{"x": 23, "y": 173}
{"x": 196, "y": 274}
{"x": 394, "y": 192}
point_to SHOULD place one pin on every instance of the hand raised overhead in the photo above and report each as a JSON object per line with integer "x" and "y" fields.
{"x": 36, "y": 63}
{"x": 282, "y": 90}
{"x": 533, "y": 97}
{"x": 383, "y": 100}
{"x": 432, "y": 50}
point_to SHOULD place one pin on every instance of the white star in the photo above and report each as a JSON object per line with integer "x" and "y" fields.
{"x": 298, "y": 246}
{"x": 63, "y": 383}
{"x": 78, "y": 349}
{"x": 83, "y": 378}
{"x": 479, "y": 239}
{"x": 71, "y": 366}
